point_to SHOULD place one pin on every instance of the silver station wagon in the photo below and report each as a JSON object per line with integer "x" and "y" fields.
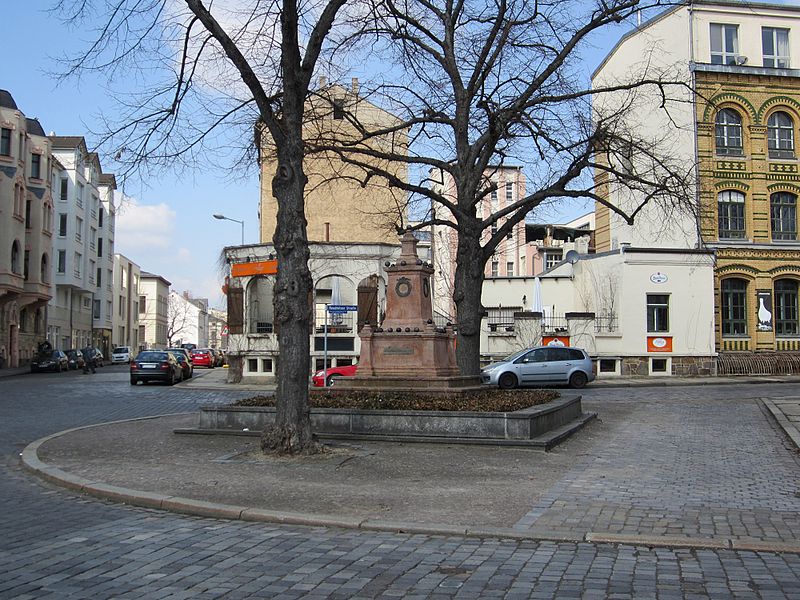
{"x": 543, "y": 364}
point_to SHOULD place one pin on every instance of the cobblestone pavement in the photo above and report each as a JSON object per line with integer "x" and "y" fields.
{"x": 54, "y": 544}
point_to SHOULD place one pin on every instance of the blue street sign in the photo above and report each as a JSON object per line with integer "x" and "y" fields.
{"x": 340, "y": 309}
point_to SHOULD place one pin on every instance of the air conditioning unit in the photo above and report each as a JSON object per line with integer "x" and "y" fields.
{"x": 740, "y": 60}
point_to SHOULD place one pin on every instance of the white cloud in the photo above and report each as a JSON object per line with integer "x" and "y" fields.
{"x": 144, "y": 226}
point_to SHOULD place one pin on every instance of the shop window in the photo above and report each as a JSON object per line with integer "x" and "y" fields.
{"x": 734, "y": 307}
{"x": 786, "y": 322}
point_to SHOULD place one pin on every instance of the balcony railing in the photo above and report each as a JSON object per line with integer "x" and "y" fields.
{"x": 501, "y": 319}
{"x": 336, "y": 323}
{"x": 606, "y": 324}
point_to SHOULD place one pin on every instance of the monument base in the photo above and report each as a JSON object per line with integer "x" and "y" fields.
{"x": 458, "y": 383}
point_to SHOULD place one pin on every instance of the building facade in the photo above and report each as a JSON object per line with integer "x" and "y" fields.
{"x": 743, "y": 62}
{"x": 153, "y": 310}
{"x": 125, "y": 306}
{"x": 338, "y": 207}
{"x": 187, "y": 320}
{"x": 217, "y": 328}
{"x": 26, "y": 228}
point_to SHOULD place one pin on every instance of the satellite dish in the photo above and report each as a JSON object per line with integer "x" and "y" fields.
{"x": 572, "y": 257}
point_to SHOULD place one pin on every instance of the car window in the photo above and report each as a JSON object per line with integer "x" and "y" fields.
{"x": 147, "y": 356}
{"x": 575, "y": 354}
{"x": 558, "y": 354}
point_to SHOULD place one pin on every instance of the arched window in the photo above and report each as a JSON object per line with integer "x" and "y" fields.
{"x": 259, "y": 305}
{"x": 730, "y": 205}
{"x": 45, "y": 270}
{"x": 786, "y": 307}
{"x": 15, "y": 263}
{"x": 783, "y": 216}
{"x": 734, "y": 306}
{"x": 780, "y": 135}
{"x": 728, "y": 129}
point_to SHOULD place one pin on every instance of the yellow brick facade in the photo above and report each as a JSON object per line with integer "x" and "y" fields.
{"x": 756, "y": 258}
{"x": 339, "y": 206}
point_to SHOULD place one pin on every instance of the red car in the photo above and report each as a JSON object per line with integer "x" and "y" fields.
{"x": 333, "y": 373}
{"x": 203, "y": 358}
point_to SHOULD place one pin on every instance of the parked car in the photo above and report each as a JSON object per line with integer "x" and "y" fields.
{"x": 184, "y": 351}
{"x": 156, "y": 365}
{"x": 543, "y": 364}
{"x": 75, "y": 359}
{"x": 120, "y": 354}
{"x": 187, "y": 369}
{"x": 189, "y": 347}
{"x": 55, "y": 360}
{"x": 203, "y": 358}
{"x": 99, "y": 359}
{"x": 318, "y": 379}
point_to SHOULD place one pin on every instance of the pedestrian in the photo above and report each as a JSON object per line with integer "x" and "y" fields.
{"x": 2, "y": 357}
{"x": 89, "y": 360}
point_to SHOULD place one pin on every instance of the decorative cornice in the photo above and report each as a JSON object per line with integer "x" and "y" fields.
{"x": 729, "y": 98}
{"x": 739, "y": 185}
{"x": 787, "y": 101}
{"x": 783, "y": 187}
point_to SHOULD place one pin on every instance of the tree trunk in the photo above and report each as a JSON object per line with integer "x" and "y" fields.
{"x": 468, "y": 286}
{"x": 291, "y": 433}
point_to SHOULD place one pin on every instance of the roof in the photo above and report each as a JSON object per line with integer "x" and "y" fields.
{"x": 108, "y": 179}
{"x": 68, "y": 141}
{"x": 148, "y": 275}
{"x": 7, "y": 100}
{"x": 34, "y": 127}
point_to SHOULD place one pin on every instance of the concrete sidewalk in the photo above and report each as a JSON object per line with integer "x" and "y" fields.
{"x": 787, "y": 414}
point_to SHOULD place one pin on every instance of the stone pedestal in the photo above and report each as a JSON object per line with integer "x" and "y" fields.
{"x": 408, "y": 351}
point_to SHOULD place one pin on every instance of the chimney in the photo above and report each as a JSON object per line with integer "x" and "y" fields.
{"x": 355, "y": 85}
{"x": 186, "y": 294}
{"x": 323, "y": 81}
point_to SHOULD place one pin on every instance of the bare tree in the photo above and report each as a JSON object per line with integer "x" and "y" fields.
{"x": 178, "y": 313}
{"x": 226, "y": 66}
{"x": 488, "y": 84}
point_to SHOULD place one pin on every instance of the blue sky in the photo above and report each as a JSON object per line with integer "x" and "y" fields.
{"x": 168, "y": 227}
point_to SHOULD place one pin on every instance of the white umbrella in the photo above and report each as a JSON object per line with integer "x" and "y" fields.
{"x": 536, "y": 301}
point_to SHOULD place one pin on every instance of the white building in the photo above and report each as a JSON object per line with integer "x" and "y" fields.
{"x": 80, "y": 311}
{"x": 187, "y": 320}
{"x": 26, "y": 224}
{"x": 217, "y": 328}
{"x": 638, "y": 311}
{"x": 153, "y": 310}
{"x": 345, "y": 274}
{"x": 125, "y": 309}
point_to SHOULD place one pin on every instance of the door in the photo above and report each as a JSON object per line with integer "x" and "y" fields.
{"x": 559, "y": 364}
{"x": 531, "y": 367}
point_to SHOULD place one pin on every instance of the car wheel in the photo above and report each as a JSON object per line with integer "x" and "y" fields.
{"x": 171, "y": 379}
{"x": 578, "y": 380}
{"x": 331, "y": 380}
{"x": 507, "y": 381}
{"x": 58, "y": 368}
{"x": 133, "y": 381}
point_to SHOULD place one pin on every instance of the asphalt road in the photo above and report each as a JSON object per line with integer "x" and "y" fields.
{"x": 725, "y": 451}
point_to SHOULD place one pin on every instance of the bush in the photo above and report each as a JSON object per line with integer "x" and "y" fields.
{"x": 485, "y": 400}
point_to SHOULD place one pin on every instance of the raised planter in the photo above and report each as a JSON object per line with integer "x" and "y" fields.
{"x": 542, "y": 426}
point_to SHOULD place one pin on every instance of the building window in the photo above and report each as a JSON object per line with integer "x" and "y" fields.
{"x": 99, "y": 276}
{"x": 252, "y": 365}
{"x": 338, "y": 109}
{"x": 259, "y": 302}
{"x": 775, "y": 46}
{"x": 64, "y": 189}
{"x": 62, "y": 261}
{"x": 552, "y": 258}
{"x": 142, "y": 305}
{"x": 780, "y": 135}
{"x": 5, "y": 141}
{"x": 724, "y": 44}
{"x": 62, "y": 224}
{"x": 734, "y": 307}
{"x": 15, "y": 267}
{"x": 731, "y": 215}
{"x": 78, "y": 229}
{"x": 44, "y": 269}
{"x": 786, "y": 307}
{"x": 658, "y": 365}
{"x": 494, "y": 228}
{"x": 100, "y": 247}
{"x": 509, "y": 193}
{"x": 607, "y": 365}
{"x": 96, "y": 309}
{"x": 495, "y": 268}
{"x": 657, "y": 313}
{"x": 728, "y": 130}
{"x": 27, "y": 214}
{"x": 26, "y": 264}
{"x": 36, "y": 166}
{"x": 266, "y": 365}
{"x": 76, "y": 267}
{"x": 100, "y": 216}
{"x": 509, "y": 269}
{"x": 783, "y": 216}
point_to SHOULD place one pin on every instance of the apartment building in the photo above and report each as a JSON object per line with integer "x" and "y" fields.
{"x": 80, "y": 311}
{"x": 217, "y": 328}
{"x": 153, "y": 310}
{"x": 125, "y": 309}
{"x": 26, "y": 227}
{"x": 187, "y": 320}
{"x": 741, "y": 128}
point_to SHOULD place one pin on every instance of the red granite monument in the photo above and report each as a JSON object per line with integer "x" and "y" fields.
{"x": 408, "y": 351}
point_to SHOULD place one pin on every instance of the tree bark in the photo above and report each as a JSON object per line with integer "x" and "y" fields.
{"x": 468, "y": 286}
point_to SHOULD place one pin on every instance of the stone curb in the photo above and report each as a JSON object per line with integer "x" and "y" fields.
{"x": 788, "y": 427}
{"x": 32, "y": 463}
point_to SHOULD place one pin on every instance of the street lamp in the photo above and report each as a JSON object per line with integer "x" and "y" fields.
{"x": 223, "y": 217}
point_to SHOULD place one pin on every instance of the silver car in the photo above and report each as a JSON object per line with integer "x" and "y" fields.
{"x": 543, "y": 364}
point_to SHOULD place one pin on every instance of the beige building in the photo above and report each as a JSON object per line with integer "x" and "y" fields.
{"x": 26, "y": 229}
{"x": 153, "y": 310}
{"x": 741, "y": 128}
{"x": 125, "y": 308}
{"x": 338, "y": 207}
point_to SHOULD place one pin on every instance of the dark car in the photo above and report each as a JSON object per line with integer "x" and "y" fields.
{"x": 55, "y": 361}
{"x": 75, "y": 359}
{"x": 156, "y": 365}
{"x": 186, "y": 366}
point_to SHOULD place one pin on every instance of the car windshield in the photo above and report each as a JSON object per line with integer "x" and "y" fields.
{"x": 151, "y": 356}
{"x": 121, "y": 350}
{"x": 56, "y": 353}
{"x": 514, "y": 356}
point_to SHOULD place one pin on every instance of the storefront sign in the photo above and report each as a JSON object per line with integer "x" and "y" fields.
{"x": 764, "y": 311}
{"x": 261, "y": 267}
{"x": 659, "y": 343}
{"x": 659, "y": 277}
{"x": 555, "y": 340}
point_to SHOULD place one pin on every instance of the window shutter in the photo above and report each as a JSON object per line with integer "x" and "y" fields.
{"x": 235, "y": 310}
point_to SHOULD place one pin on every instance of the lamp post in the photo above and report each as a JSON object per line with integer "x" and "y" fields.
{"x": 223, "y": 217}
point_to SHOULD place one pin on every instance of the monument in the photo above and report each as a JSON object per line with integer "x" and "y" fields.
{"x": 408, "y": 351}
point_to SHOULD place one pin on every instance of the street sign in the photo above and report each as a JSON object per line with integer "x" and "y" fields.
{"x": 340, "y": 309}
